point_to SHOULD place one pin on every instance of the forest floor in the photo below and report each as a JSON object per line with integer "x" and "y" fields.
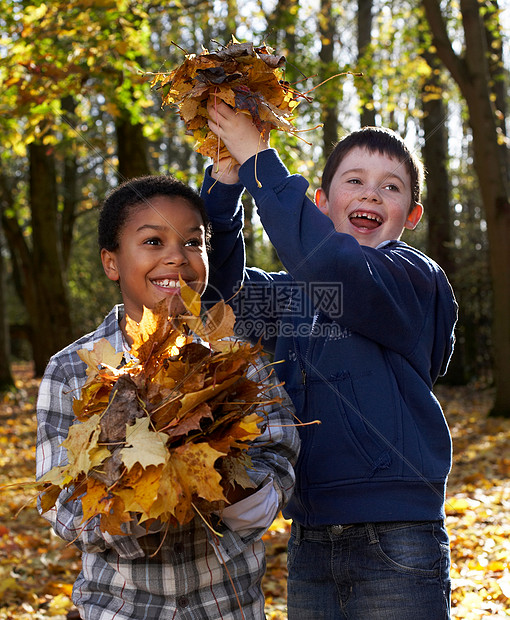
{"x": 37, "y": 570}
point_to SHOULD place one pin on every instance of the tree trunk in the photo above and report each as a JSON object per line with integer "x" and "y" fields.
{"x": 437, "y": 203}
{"x": 6, "y": 204}
{"x": 6, "y": 380}
{"x": 37, "y": 270}
{"x": 49, "y": 311}
{"x": 131, "y": 148}
{"x": 248, "y": 230}
{"x": 435, "y": 159}
{"x": 327, "y": 30}
{"x": 20, "y": 256}
{"x": 232, "y": 17}
{"x": 472, "y": 75}
{"x": 281, "y": 24}
{"x": 367, "y": 116}
{"x": 497, "y": 70}
{"x": 69, "y": 186}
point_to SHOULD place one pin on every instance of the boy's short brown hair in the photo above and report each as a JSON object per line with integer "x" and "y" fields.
{"x": 377, "y": 140}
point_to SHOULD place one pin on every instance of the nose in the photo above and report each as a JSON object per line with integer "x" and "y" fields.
{"x": 371, "y": 194}
{"x": 175, "y": 255}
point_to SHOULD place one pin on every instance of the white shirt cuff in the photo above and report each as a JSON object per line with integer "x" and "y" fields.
{"x": 253, "y": 512}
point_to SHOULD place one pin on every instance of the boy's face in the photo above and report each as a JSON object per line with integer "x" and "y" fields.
{"x": 158, "y": 243}
{"x": 369, "y": 198}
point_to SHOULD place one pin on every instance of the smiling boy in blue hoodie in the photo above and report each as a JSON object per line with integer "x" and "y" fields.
{"x": 363, "y": 325}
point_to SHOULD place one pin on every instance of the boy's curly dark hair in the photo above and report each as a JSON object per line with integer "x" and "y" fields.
{"x": 138, "y": 191}
{"x": 377, "y": 140}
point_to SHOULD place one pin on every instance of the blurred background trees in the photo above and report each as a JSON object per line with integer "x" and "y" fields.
{"x": 77, "y": 115}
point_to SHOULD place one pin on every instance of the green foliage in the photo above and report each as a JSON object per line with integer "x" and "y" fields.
{"x": 98, "y": 53}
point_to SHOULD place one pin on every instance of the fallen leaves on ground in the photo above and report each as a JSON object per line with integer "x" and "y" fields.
{"x": 37, "y": 570}
{"x": 478, "y": 505}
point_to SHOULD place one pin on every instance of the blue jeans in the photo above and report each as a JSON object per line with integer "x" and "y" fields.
{"x": 369, "y": 571}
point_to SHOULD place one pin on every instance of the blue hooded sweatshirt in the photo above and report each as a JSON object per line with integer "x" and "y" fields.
{"x": 359, "y": 336}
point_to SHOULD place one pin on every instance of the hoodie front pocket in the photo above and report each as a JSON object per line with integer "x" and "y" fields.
{"x": 346, "y": 445}
{"x": 369, "y": 441}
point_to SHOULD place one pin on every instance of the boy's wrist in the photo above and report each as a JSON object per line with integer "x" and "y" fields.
{"x": 222, "y": 200}
{"x": 225, "y": 171}
{"x": 265, "y": 168}
{"x": 249, "y": 151}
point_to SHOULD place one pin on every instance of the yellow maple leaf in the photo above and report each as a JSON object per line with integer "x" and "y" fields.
{"x": 49, "y": 496}
{"x": 144, "y": 445}
{"x": 83, "y": 452}
{"x": 249, "y": 426}
{"x": 219, "y": 324}
{"x": 103, "y": 353}
{"x": 144, "y": 491}
{"x": 99, "y": 501}
{"x": 239, "y": 433}
{"x": 189, "y": 472}
{"x": 194, "y": 464}
{"x": 56, "y": 476}
{"x": 190, "y": 298}
{"x": 193, "y": 110}
{"x": 94, "y": 500}
{"x": 112, "y": 520}
{"x": 94, "y": 397}
{"x": 150, "y": 332}
{"x": 170, "y": 495}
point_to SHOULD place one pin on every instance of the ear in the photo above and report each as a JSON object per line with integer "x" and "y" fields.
{"x": 321, "y": 200}
{"x": 109, "y": 265}
{"x": 414, "y": 217}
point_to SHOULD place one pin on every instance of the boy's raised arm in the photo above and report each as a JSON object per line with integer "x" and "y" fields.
{"x": 221, "y": 192}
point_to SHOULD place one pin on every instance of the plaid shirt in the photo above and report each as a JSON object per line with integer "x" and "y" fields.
{"x": 194, "y": 574}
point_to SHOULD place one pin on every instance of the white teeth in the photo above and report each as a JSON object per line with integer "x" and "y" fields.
{"x": 168, "y": 283}
{"x": 367, "y": 216}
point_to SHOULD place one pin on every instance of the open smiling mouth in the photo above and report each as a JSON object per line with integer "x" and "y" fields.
{"x": 369, "y": 221}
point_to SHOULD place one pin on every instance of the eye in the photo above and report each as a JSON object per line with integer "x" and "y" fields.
{"x": 195, "y": 242}
{"x": 392, "y": 187}
{"x": 354, "y": 181}
{"x": 152, "y": 241}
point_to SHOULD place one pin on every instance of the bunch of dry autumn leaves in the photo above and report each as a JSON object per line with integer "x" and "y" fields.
{"x": 163, "y": 434}
{"x": 247, "y": 78}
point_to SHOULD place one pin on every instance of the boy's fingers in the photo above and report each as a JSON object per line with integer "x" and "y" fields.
{"x": 217, "y": 107}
